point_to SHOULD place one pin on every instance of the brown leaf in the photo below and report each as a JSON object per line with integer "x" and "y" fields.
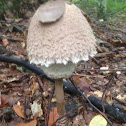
{"x": 83, "y": 83}
{"x": 76, "y": 79}
{"x": 34, "y": 87}
{"x": 4, "y": 100}
{"x": 5, "y": 42}
{"x": 108, "y": 98}
{"x": 31, "y": 123}
{"x": 53, "y": 116}
{"x": 19, "y": 110}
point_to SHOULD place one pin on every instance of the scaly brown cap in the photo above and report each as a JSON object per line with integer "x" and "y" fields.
{"x": 64, "y": 42}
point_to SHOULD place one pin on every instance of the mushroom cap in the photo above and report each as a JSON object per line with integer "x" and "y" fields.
{"x": 64, "y": 42}
{"x": 51, "y": 11}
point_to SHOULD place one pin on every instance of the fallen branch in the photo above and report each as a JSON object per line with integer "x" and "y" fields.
{"x": 111, "y": 111}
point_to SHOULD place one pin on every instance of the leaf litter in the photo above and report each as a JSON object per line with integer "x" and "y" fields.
{"x": 18, "y": 85}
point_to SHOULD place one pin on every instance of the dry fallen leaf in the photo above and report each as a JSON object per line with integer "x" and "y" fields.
{"x": 98, "y": 120}
{"x": 19, "y": 110}
{"x": 5, "y": 42}
{"x": 34, "y": 87}
{"x": 32, "y": 123}
{"x": 108, "y": 99}
{"x": 83, "y": 83}
{"x": 98, "y": 93}
{"x": 53, "y": 116}
{"x": 121, "y": 97}
{"x": 4, "y": 100}
{"x": 36, "y": 109}
{"x": 9, "y": 80}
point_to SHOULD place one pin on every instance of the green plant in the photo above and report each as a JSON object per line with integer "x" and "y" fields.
{"x": 113, "y": 8}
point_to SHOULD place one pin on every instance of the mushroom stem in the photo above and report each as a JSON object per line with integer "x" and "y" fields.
{"x": 60, "y": 97}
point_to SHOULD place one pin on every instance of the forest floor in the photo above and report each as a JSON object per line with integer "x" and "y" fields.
{"x": 20, "y": 88}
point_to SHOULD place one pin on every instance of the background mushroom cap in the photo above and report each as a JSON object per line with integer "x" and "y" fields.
{"x": 69, "y": 39}
{"x": 51, "y": 11}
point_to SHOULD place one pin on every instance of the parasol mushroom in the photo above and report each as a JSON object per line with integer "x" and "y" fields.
{"x": 57, "y": 41}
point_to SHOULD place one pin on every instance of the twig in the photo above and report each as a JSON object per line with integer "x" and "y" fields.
{"x": 12, "y": 39}
{"x": 119, "y": 100}
{"x": 41, "y": 84}
{"x": 91, "y": 103}
{"x": 25, "y": 102}
{"x": 103, "y": 69}
{"x": 108, "y": 85}
{"x": 12, "y": 23}
{"x": 114, "y": 70}
{"x": 25, "y": 105}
